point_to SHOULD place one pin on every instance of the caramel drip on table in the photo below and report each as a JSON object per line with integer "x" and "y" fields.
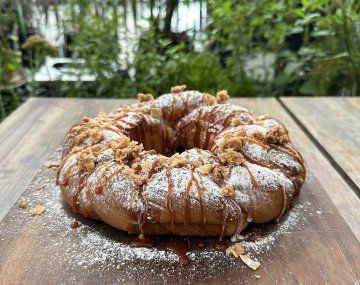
{"x": 180, "y": 248}
{"x": 168, "y": 197}
{"x": 143, "y": 241}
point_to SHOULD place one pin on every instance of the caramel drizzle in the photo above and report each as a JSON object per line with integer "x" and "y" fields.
{"x": 201, "y": 189}
{"x": 252, "y": 178}
{"x": 225, "y": 214}
{"x": 99, "y": 187}
{"x": 168, "y": 198}
{"x": 75, "y": 206}
{"x": 143, "y": 214}
{"x": 67, "y": 174}
{"x": 187, "y": 197}
{"x": 284, "y": 203}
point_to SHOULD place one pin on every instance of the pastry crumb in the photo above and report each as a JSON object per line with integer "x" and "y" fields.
{"x": 206, "y": 169}
{"x": 118, "y": 266}
{"x": 51, "y": 164}
{"x": 235, "y": 249}
{"x": 145, "y": 97}
{"x": 228, "y": 191}
{"x": 22, "y": 203}
{"x": 222, "y": 97}
{"x": 254, "y": 265}
{"x": 37, "y": 210}
{"x": 257, "y": 276}
{"x": 178, "y": 89}
{"x": 39, "y": 187}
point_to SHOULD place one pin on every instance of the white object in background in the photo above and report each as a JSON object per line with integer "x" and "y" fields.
{"x": 63, "y": 69}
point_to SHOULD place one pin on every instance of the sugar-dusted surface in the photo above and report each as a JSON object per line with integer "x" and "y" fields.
{"x": 35, "y": 249}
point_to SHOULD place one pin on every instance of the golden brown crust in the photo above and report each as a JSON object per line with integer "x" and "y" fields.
{"x": 178, "y": 88}
{"x": 123, "y": 167}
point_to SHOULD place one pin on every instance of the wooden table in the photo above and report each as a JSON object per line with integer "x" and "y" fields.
{"x": 325, "y": 130}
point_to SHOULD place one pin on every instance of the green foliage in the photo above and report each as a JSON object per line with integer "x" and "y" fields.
{"x": 314, "y": 47}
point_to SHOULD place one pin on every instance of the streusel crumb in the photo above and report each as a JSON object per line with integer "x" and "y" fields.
{"x": 228, "y": 191}
{"x": 22, "y": 203}
{"x": 222, "y": 97}
{"x": 145, "y": 97}
{"x": 37, "y": 210}
{"x": 178, "y": 88}
{"x": 235, "y": 249}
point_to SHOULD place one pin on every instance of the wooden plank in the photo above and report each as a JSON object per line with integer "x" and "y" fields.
{"x": 320, "y": 249}
{"x": 335, "y": 124}
{"x": 31, "y": 133}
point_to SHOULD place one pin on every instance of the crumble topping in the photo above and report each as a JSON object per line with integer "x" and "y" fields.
{"x": 96, "y": 135}
{"x": 231, "y": 157}
{"x": 85, "y": 119}
{"x": 228, "y": 191}
{"x": 209, "y": 99}
{"x": 146, "y": 166}
{"x": 176, "y": 160}
{"x": 142, "y": 97}
{"x": 277, "y": 135}
{"x": 235, "y": 122}
{"x": 234, "y": 143}
{"x": 222, "y": 97}
{"x": 156, "y": 112}
{"x": 126, "y": 150}
{"x": 178, "y": 88}
{"x": 86, "y": 159}
{"x": 221, "y": 171}
{"x": 37, "y": 210}
{"x": 258, "y": 135}
{"x": 138, "y": 179}
{"x": 206, "y": 169}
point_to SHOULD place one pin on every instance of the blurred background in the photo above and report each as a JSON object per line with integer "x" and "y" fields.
{"x": 117, "y": 48}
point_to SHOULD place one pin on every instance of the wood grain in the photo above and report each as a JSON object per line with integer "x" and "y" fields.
{"x": 318, "y": 249}
{"x": 324, "y": 249}
{"x": 335, "y": 123}
{"x": 31, "y": 133}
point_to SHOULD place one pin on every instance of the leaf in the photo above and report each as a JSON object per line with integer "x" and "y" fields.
{"x": 291, "y": 67}
{"x": 308, "y": 88}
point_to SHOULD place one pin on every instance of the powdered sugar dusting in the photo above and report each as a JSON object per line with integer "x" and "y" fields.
{"x": 98, "y": 248}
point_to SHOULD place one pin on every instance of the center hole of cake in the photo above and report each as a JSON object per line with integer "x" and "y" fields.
{"x": 160, "y": 141}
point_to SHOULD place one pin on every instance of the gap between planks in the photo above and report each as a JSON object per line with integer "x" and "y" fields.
{"x": 326, "y": 154}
